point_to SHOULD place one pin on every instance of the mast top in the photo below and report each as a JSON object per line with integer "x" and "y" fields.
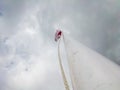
{"x": 58, "y": 35}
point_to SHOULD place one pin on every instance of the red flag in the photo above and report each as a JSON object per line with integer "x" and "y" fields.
{"x": 58, "y": 35}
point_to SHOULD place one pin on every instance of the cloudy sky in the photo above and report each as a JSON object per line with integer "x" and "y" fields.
{"x": 28, "y": 53}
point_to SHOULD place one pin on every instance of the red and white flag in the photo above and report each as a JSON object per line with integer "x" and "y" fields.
{"x": 58, "y": 35}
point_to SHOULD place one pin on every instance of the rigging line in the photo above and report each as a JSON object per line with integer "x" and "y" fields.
{"x": 62, "y": 69}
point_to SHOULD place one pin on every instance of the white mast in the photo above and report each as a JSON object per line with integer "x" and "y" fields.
{"x": 62, "y": 69}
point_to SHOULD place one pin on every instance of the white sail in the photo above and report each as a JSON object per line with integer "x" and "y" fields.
{"x": 90, "y": 70}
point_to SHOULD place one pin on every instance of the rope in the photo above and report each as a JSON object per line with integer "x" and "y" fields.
{"x": 62, "y": 70}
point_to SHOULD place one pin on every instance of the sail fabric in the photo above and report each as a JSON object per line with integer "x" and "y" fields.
{"x": 90, "y": 70}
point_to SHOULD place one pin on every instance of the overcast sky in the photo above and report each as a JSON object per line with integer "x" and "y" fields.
{"x": 28, "y": 53}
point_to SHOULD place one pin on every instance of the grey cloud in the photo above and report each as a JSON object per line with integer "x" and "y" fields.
{"x": 27, "y": 30}
{"x": 11, "y": 15}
